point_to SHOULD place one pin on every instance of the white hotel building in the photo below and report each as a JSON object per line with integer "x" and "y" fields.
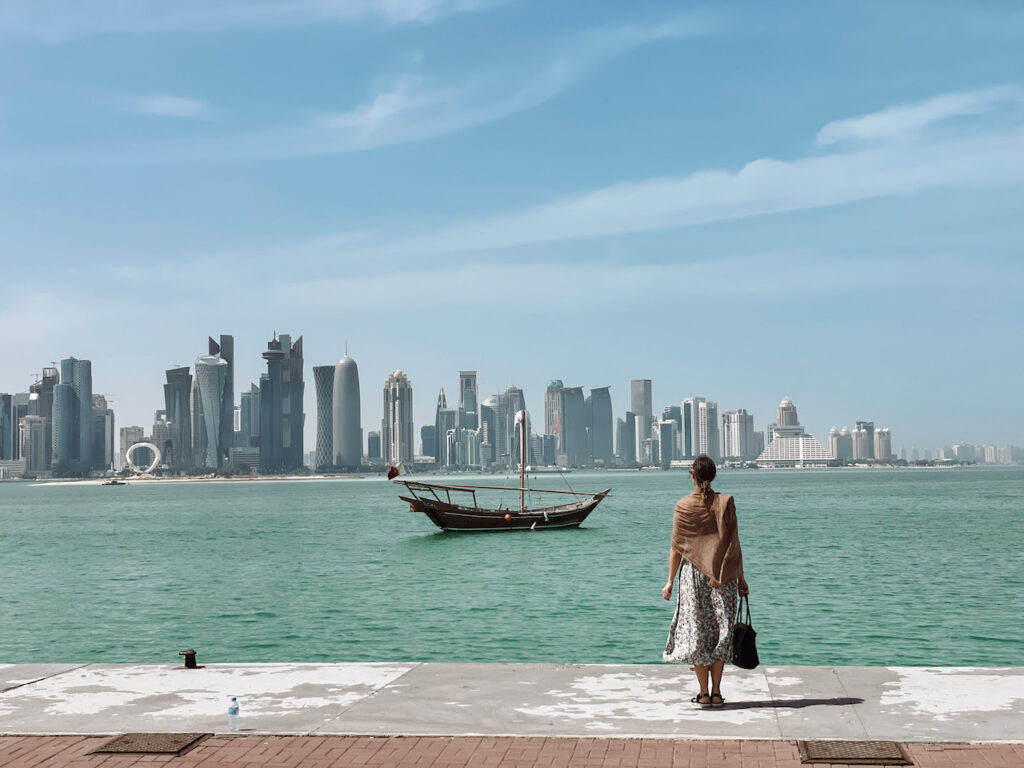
{"x": 791, "y": 446}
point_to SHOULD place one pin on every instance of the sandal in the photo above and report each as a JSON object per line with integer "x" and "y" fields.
{"x": 716, "y": 704}
{"x": 703, "y": 700}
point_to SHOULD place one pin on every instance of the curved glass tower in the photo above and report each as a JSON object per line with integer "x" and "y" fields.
{"x": 212, "y": 374}
{"x": 348, "y": 431}
{"x": 323, "y": 380}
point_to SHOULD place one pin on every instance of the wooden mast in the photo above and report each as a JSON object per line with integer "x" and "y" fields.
{"x": 522, "y": 460}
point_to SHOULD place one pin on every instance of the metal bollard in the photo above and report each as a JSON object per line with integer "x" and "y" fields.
{"x": 190, "y": 658}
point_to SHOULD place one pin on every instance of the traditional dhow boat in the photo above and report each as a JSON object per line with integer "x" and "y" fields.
{"x": 455, "y": 507}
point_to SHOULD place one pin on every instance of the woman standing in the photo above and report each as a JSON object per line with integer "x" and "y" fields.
{"x": 706, "y": 554}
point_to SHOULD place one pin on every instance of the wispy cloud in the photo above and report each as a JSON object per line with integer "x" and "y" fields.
{"x": 58, "y": 20}
{"x": 780, "y": 275}
{"x": 982, "y": 158}
{"x": 415, "y": 107}
{"x": 911, "y": 118}
{"x": 403, "y": 109}
{"x": 166, "y": 105}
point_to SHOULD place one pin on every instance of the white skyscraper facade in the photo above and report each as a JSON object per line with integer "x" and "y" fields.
{"x": 840, "y": 443}
{"x": 641, "y": 404}
{"x": 791, "y": 446}
{"x": 738, "y": 435}
{"x": 883, "y": 445}
{"x": 397, "y": 433}
{"x": 701, "y": 417}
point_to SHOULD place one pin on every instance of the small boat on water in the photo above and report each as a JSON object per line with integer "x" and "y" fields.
{"x": 114, "y": 481}
{"x": 455, "y": 507}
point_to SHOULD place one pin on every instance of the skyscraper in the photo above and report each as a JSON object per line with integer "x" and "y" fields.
{"x": 281, "y": 414}
{"x": 292, "y": 413}
{"x": 199, "y": 436}
{"x": 398, "y": 434}
{"x": 642, "y": 406}
{"x": 840, "y": 443}
{"x": 445, "y": 419}
{"x": 129, "y": 437}
{"x": 249, "y": 429}
{"x": 883, "y": 445}
{"x": 492, "y": 425}
{"x": 791, "y": 446}
{"x": 704, "y": 431}
{"x": 373, "y": 446}
{"x": 862, "y": 442}
{"x": 323, "y": 382}
{"x": 787, "y": 414}
{"x": 868, "y": 440}
{"x": 72, "y": 417}
{"x": 665, "y": 436}
{"x": 627, "y": 438}
{"x": 469, "y": 416}
{"x": 34, "y": 450}
{"x": 102, "y": 451}
{"x": 38, "y": 401}
{"x": 348, "y": 424}
{"x": 513, "y": 401}
{"x": 271, "y": 406}
{"x": 602, "y": 450}
{"x": 553, "y": 413}
{"x": 738, "y": 435}
{"x": 686, "y": 432}
{"x": 42, "y": 404}
{"x": 428, "y": 440}
{"x": 211, "y": 374}
{"x": 710, "y": 435}
{"x": 574, "y": 428}
{"x": 177, "y": 393}
{"x": 8, "y": 427}
{"x": 225, "y": 348}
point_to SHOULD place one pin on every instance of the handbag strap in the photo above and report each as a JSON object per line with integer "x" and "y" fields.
{"x": 739, "y": 611}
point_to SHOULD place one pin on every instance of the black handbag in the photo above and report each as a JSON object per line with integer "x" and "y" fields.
{"x": 744, "y": 651}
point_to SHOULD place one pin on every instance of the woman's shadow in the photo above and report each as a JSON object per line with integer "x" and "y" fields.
{"x": 792, "y": 703}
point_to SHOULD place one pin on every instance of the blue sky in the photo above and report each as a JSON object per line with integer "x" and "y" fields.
{"x": 744, "y": 202}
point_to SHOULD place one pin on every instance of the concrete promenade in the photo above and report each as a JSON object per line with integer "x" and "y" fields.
{"x": 484, "y": 709}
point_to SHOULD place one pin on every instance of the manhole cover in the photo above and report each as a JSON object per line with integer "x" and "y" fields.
{"x": 150, "y": 743}
{"x": 853, "y": 752}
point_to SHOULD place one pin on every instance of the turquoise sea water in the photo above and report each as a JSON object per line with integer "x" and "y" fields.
{"x": 875, "y": 567}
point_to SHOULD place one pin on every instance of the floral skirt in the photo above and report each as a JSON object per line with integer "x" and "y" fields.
{"x": 701, "y": 632}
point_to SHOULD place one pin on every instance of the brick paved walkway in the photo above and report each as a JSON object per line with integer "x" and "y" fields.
{"x": 470, "y": 752}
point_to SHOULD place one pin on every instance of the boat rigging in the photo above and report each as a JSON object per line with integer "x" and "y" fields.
{"x": 455, "y": 507}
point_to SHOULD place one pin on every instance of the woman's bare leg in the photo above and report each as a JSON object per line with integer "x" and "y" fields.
{"x": 702, "y": 677}
{"x": 717, "y": 668}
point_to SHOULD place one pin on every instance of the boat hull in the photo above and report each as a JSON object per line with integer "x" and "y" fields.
{"x": 462, "y": 519}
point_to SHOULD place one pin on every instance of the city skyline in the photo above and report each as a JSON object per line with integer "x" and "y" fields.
{"x": 732, "y": 201}
{"x": 585, "y": 429}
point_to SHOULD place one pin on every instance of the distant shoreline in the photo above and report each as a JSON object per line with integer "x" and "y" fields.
{"x": 451, "y": 476}
{"x": 150, "y": 480}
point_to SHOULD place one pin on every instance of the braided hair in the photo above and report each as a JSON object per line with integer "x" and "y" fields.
{"x": 703, "y": 472}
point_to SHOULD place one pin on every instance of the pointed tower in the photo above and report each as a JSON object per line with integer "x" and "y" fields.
{"x": 441, "y": 429}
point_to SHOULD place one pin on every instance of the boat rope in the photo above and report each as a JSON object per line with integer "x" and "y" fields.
{"x": 562, "y": 475}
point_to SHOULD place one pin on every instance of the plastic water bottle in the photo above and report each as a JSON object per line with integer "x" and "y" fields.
{"x": 233, "y": 715}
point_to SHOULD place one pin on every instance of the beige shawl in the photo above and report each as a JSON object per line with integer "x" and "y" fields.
{"x": 707, "y": 536}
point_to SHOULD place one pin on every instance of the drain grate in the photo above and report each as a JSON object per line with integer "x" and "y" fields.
{"x": 853, "y": 753}
{"x": 150, "y": 743}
